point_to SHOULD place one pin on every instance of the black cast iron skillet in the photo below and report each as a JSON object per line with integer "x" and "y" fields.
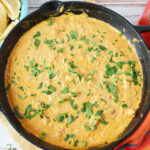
{"x": 93, "y": 10}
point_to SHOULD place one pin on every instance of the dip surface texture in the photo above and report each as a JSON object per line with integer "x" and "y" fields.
{"x": 74, "y": 81}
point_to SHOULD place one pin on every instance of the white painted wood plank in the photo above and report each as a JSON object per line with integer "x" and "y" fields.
{"x": 5, "y": 139}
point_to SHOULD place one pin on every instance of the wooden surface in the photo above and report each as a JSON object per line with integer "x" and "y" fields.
{"x": 130, "y": 9}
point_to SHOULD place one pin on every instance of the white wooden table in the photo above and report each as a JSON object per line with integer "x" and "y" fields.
{"x": 130, "y": 9}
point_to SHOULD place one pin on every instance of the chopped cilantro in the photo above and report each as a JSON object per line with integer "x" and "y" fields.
{"x": 121, "y": 33}
{"x": 50, "y": 21}
{"x": 17, "y": 112}
{"x": 93, "y": 35}
{"x": 68, "y": 136}
{"x": 88, "y": 108}
{"x": 14, "y": 82}
{"x": 110, "y": 70}
{"x": 47, "y": 92}
{"x": 112, "y": 88}
{"x": 124, "y": 106}
{"x": 38, "y": 34}
{"x": 7, "y": 87}
{"x": 26, "y": 67}
{"x": 70, "y": 119}
{"x": 102, "y": 47}
{"x": 83, "y": 38}
{"x": 33, "y": 94}
{"x": 40, "y": 86}
{"x": 62, "y": 41}
{"x": 95, "y": 104}
{"x": 74, "y": 94}
{"x": 99, "y": 113}
{"x": 21, "y": 97}
{"x": 93, "y": 59}
{"x": 21, "y": 88}
{"x": 65, "y": 90}
{"x": 79, "y": 46}
{"x": 43, "y": 104}
{"x": 68, "y": 37}
{"x": 71, "y": 47}
{"x": 71, "y": 64}
{"x": 61, "y": 117}
{"x": 60, "y": 50}
{"x": 102, "y": 100}
{"x": 100, "y": 85}
{"x": 73, "y": 35}
{"x": 43, "y": 136}
{"x": 84, "y": 143}
{"x": 37, "y": 43}
{"x": 120, "y": 64}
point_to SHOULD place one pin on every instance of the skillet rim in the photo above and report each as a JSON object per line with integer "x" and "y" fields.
{"x": 110, "y": 11}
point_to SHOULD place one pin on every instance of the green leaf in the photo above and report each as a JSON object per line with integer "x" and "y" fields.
{"x": 47, "y": 92}
{"x": 26, "y": 67}
{"x": 74, "y": 94}
{"x": 103, "y": 48}
{"x": 70, "y": 119}
{"x": 99, "y": 113}
{"x": 52, "y": 88}
{"x": 73, "y": 35}
{"x": 68, "y": 136}
{"x": 61, "y": 117}
{"x": 21, "y": 97}
{"x": 100, "y": 85}
{"x": 40, "y": 86}
{"x": 83, "y": 38}
{"x": 88, "y": 108}
{"x": 32, "y": 63}
{"x": 38, "y": 34}
{"x": 71, "y": 47}
{"x": 84, "y": 143}
{"x": 43, "y": 136}
{"x": 65, "y": 90}
{"x": 110, "y": 70}
{"x": 52, "y": 75}
{"x": 60, "y": 50}
{"x": 50, "y": 21}
{"x": 124, "y": 106}
{"x": 21, "y": 88}
{"x": 95, "y": 104}
{"x": 43, "y": 104}
{"x": 74, "y": 106}
{"x": 71, "y": 64}
{"x": 103, "y": 100}
{"x": 17, "y": 112}
{"x": 68, "y": 37}
{"x": 37, "y": 43}
{"x": 7, "y": 87}
{"x": 120, "y": 64}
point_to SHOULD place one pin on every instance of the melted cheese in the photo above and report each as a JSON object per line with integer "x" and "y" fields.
{"x": 84, "y": 54}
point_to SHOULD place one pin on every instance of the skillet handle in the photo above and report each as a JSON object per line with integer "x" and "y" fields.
{"x": 142, "y": 29}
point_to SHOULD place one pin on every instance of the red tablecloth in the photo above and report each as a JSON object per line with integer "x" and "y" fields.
{"x": 140, "y": 139}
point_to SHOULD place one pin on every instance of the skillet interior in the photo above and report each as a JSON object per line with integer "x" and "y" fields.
{"x": 93, "y": 10}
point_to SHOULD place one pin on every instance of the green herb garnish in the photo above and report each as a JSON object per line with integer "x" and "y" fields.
{"x": 65, "y": 90}
{"x": 21, "y": 96}
{"x": 73, "y": 35}
{"x": 50, "y": 21}
{"x": 37, "y": 43}
{"x": 21, "y": 88}
{"x": 38, "y": 34}
{"x": 99, "y": 113}
{"x": 43, "y": 136}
